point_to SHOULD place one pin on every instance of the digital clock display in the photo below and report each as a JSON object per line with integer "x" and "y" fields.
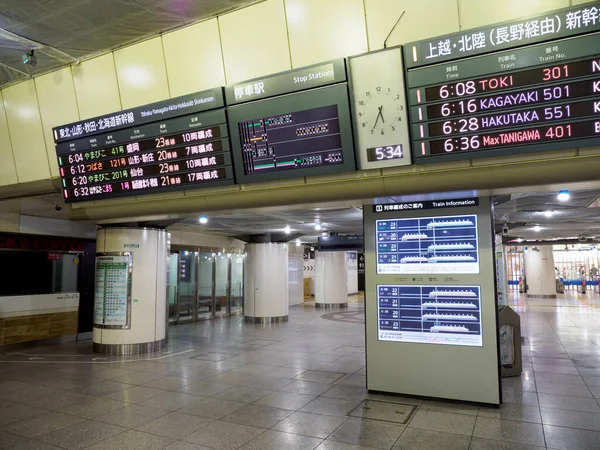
{"x": 537, "y": 104}
{"x": 385, "y": 153}
{"x": 192, "y": 157}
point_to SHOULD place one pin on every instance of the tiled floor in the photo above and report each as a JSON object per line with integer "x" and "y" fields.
{"x": 299, "y": 385}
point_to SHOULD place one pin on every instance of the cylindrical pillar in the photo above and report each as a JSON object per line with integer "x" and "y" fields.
{"x": 266, "y": 292}
{"x": 331, "y": 280}
{"x": 130, "y": 310}
{"x": 539, "y": 269}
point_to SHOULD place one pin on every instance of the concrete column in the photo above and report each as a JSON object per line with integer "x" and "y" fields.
{"x": 331, "y": 280}
{"x": 266, "y": 291}
{"x": 539, "y": 270}
{"x": 131, "y": 317}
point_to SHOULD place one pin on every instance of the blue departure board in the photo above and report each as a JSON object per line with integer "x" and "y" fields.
{"x": 448, "y": 315}
{"x": 428, "y": 245}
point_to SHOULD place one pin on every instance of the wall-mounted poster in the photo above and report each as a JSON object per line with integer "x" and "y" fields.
{"x": 112, "y": 305}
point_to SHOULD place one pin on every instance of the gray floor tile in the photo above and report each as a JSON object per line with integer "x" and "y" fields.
{"x": 9, "y": 439}
{"x": 103, "y": 388}
{"x": 42, "y": 424}
{"x": 333, "y": 445}
{"x": 224, "y": 435}
{"x": 520, "y": 397}
{"x": 59, "y": 400}
{"x": 307, "y": 424}
{"x": 132, "y": 440}
{"x": 175, "y": 425}
{"x": 398, "y": 413}
{"x": 458, "y": 408}
{"x": 258, "y": 416}
{"x": 571, "y": 419}
{"x": 204, "y": 388}
{"x": 81, "y": 435}
{"x": 306, "y": 387}
{"x": 566, "y": 402}
{"x": 135, "y": 394}
{"x": 563, "y": 389}
{"x": 354, "y": 380}
{"x": 286, "y": 400}
{"x": 517, "y": 384}
{"x": 132, "y": 416}
{"x": 243, "y": 394}
{"x": 213, "y": 408}
{"x": 488, "y": 444}
{"x": 94, "y": 407}
{"x": 276, "y": 440}
{"x": 34, "y": 445}
{"x": 566, "y": 370}
{"x": 347, "y": 392}
{"x": 571, "y": 438}
{"x": 286, "y": 372}
{"x": 368, "y": 433}
{"x": 319, "y": 377}
{"x": 521, "y": 413}
{"x": 179, "y": 445}
{"x": 330, "y": 406}
{"x": 18, "y": 412}
{"x": 559, "y": 378}
{"x": 168, "y": 383}
{"x": 415, "y": 439}
{"x": 137, "y": 378}
{"x": 595, "y": 391}
{"x": 443, "y": 422}
{"x": 171, "y": 401}
{"x": 510, "y": 431}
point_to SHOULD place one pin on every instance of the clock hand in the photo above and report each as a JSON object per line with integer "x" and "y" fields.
{"x": 377, "y": 119}
{"x": 381, "y": 112}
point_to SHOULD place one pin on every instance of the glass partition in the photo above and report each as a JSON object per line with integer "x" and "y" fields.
{"x": 173, "y": 286}
{"x": 237, "y": 284}
{"x": 221, "y": 285}
{"x": 187, "y": 286}
{"x": 206, "y": 285}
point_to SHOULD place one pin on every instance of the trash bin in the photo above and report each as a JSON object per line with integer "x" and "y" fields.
{"x": 511, "y": 359}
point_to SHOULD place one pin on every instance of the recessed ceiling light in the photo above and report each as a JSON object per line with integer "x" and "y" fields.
{"x": 537, "y": 228}
{"x": 298, "y": 243}
{"x": 519, "y": 240}
{"x": 287, "y": 229}
{"x": 548, "y": 213}
{"x": 318, "y": 226}
{"x": 203, "y": 220}
{"x": 563, "y": 196}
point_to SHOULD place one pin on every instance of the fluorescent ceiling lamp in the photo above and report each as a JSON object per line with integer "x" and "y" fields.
{"x": 537, "y": 228}
{"x": 203, "y": 220}
{"x": 548, "y": 213}
{"x": 287, "y": 229}
{"x": 563, "y": 196}
{"x": 318, "y": 226}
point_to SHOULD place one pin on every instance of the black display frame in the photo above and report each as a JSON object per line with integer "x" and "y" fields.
{"x": 336, "y": 94}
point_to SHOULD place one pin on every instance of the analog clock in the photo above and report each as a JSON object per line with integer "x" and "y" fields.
{"x": 379, "y": 109}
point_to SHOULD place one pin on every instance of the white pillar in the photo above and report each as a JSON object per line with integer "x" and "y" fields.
{"x": 539, "y": 270}
{"x": 266, "y": 291}
{"x": 131, "y": 317}
{"x": 331, "y": 280}
{"x": 352, "y": 272}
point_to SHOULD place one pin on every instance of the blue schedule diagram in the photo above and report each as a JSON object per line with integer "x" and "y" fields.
{"x": 428, "y": 245}
{"x": 448, "y": 315}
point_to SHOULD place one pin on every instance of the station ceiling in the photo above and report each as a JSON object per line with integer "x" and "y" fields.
{"x": 63, "y": 32}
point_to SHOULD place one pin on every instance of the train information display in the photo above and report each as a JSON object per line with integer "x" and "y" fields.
{"x": 449, "y": 315}
{"x": 179, "y": 153}
{"x": 307, "y": 138}
{"x": 428, "y": 245}
{"x": 534, "y": 98}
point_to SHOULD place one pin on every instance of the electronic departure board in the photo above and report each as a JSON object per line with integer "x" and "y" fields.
{"x": 430, "y": 314}
{"x": 182, "y": 152}
{"x": 292, "y": 124}
{"x": 431, "y": 245}
{"x": 530, "y": 98}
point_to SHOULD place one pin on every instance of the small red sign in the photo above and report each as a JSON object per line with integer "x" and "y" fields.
{"x": 54, "y": 256}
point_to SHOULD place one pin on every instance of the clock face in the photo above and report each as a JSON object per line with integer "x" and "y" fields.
{"x": 379, "y": 109}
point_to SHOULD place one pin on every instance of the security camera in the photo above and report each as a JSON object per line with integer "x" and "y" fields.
{"x": 57, "y": 207}
{"x": 505, "y": 230}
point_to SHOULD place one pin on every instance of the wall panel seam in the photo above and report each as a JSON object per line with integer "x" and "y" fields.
{"x": 162, "y": 47}
{"x": 37, "y": 100}
{"x": 221, "y": 46}
{"x": 117, "y": 79}
{"x": 287, "y": 33}
{"x": 12, "y": 151}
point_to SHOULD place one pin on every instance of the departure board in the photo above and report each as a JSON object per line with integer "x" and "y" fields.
{"x": 532, "y": 98}
{"x": 182, "y": 152}
{"x": 292, "y": 124}
{"x": 308, "y": 138}
{"x": 428, "y": 245}
{"x": 449, "y": 315}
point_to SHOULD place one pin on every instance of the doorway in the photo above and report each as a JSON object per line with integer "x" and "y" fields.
{"x": 205, "y": 283}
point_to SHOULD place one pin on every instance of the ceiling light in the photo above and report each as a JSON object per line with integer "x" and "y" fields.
{"x": 298, "y": 243}
{"x": 519, "y": 240}
{"x": 324, "y": 234}
{"x": 29, "y": 58}
{"x": 318, "y": 226}
{"x": 537, "y": 228}
{"x": 287, "y": 229}
{"x": 203, "y": 220}
{"x": 548, "y": 213}
{"x": 563, "y": 196}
